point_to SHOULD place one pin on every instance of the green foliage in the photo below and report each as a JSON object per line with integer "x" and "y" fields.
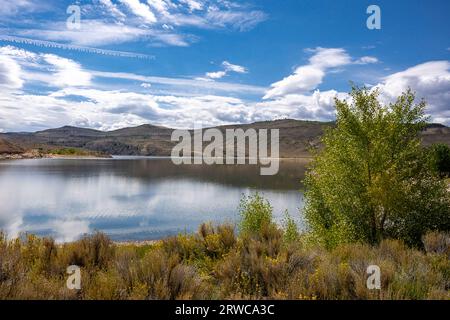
{"x": 372, "y": 180}
{"x": 76, "y": 152}
{"x": 290, "y": 228}
{"x": 69, "y": 152}
{"x": 440, "y": 159}
{"x": 255, "y": 214}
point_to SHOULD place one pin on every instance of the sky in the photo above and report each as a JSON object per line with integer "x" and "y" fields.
{"x": 185, "y": 63}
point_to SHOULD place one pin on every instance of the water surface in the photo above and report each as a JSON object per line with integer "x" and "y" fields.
{"x": 133, "y": 198}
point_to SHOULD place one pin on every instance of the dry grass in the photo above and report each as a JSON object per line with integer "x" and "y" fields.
{"x": 216, "y": 264}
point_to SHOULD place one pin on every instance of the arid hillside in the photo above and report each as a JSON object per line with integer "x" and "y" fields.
{"x": 296, "y": 137}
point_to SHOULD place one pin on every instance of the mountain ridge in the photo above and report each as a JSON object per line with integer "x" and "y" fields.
{"x": 296, "y": 136}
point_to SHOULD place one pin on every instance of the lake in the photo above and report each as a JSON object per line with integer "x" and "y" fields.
{"x": 134, "y": 198}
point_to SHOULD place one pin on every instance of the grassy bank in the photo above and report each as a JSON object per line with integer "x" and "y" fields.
{"x": 215, "y": 263}
{"x": 75, "y": 152}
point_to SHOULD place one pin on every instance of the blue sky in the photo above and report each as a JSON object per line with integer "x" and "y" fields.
{"x": 178, "y": 62}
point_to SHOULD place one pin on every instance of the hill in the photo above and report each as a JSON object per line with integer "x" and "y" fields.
{"x": 296, "y": 136}
{"x": 7, "y": 147}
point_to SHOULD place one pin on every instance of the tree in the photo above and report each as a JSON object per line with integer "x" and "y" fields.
{"x": 440, "y": 159}
{"x": 371, "y": 180}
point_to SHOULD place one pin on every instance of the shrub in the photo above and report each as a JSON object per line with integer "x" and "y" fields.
{"x": 439, "y": 243}
{"x": 214, "y": 264}
{"x": 255, "y": 214}
{"x": 291, "y": 233}
{"x": 95, "y": 251}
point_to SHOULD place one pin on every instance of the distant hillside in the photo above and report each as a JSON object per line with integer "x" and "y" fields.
{"x": 9, "y": 148}
{"x": 296, "y": 136}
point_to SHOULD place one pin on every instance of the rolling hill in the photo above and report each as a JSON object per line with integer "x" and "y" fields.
{"x": 296, "y": 136}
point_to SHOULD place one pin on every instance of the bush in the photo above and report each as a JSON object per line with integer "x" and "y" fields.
{"x": 255, "y": 214}
{"x": 250, "y": 266}
{"x": 438, "y": 243}
{"x": 291, "y": 233}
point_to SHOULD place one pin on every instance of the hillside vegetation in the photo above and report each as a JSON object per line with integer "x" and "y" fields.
{"x": 296, "y": 138}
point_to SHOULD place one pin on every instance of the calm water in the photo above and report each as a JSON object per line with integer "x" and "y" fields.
{"x": 133, "y": 198}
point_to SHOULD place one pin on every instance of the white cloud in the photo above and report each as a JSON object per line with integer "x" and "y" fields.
{"x": 140, "y": 9}
{"x": 305, "y": 78}
{"x": 308, "y": 77}
{"x": 161, "y": 6}
{"x": 92, "y": 32}
{"x": 155, "y": 22}
{"x": 193, "y": 5}
{"x": 11, "y": 8}
{"x": 106, "y": 33}
{"x": 228, "y": 67}
{"x": 68, "y": 72}
{"x": 366, "y": 60}
{"x": 85, "y": 100}
{"x": 10, "y": 73}
{"x": 21, "y": 66}
{"x": 240, "y": 20}
{"x": 215, "y": 75}
{"x": 430, "y": 80}
{"x": 113, "y": 9}
{"x": 315, "y": 106}
{"x": 18, "y": 53}
{"x": 234, "y": 67}
{"x": 325, "y": 58}
{"x": 228, "y": 87}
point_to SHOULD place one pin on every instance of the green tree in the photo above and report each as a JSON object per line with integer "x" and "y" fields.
{"x": 440, "y": 159}
{"x": 371, "y": 180}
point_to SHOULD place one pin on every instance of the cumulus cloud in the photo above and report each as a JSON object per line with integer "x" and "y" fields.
{"x": 308, "y": 77}
{"x": 216, "y": 75}
{"x": 67, "y": 72}
{"x": 21, "y": 66}
{"x": 81, "y": 101}
{"x": 325, "y": 58}
{"x": 318, "y": 105}
{"x": 10, "y": 73}
{"x": 430, "y": 80}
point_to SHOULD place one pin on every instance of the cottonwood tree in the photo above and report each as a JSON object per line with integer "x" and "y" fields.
{"x": 371, "y": 180}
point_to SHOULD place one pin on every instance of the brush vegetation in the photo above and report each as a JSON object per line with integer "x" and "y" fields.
{"x": 265, "y": 261}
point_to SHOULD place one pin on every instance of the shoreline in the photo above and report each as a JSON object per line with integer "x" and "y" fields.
{"x": 32, "y": 155}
